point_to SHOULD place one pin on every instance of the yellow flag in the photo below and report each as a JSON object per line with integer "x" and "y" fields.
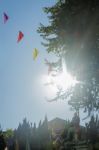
{"x": 35, "y": 53}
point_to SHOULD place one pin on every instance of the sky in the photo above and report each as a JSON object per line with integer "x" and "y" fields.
{"x": 22, "y": 90}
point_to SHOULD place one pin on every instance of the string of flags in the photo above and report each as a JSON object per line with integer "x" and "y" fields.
{"x": 21, "y": 36}
{"x": 35, "y": 51}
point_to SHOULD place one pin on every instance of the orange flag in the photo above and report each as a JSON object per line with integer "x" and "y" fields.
{"x": 20, "y": 36}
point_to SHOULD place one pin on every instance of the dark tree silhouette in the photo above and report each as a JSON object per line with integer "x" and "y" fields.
{"x": 2, "y": 142}
{"x": 73, "y": 34}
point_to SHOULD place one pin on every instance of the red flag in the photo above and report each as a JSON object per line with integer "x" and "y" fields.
{"x": 20, "y": 36}
{"x": 5, "y": 17}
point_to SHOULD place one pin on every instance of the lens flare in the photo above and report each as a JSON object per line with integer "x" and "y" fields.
{"x": 60, "y": 80}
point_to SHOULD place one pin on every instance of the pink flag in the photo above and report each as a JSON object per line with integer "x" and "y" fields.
{"x": 5, "y": 17}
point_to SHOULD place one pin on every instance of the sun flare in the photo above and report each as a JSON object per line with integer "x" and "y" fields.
{"x": 64, "y": 81}
{"x": 61, "y": 80}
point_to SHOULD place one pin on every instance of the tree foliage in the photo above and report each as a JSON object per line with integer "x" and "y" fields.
{"x": 32, "y": 136}
{"x": 73, "y": 33}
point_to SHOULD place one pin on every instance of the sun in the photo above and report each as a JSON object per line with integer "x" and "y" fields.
{"x": 62, "y": 80}
{"x": 59, "y": 80}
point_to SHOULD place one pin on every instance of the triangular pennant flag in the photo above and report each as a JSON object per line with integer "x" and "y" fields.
{"x": 35, "y": 53}
{"x": 5, "y": 17}
{"x": 20, "y": 36}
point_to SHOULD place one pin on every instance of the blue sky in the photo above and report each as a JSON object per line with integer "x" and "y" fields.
{"x": 22, "y": 93}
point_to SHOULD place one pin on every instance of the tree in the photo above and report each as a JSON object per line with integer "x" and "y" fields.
{"x": 45, "y": 131}
{"x": 44, "y": 135}
{"x": 9, "y": 133}
{"x": 34, "y": 138}
{"x": 2, "y": 142}
{"x": 23, "y": 133}
{"x": 73, "y": 34}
